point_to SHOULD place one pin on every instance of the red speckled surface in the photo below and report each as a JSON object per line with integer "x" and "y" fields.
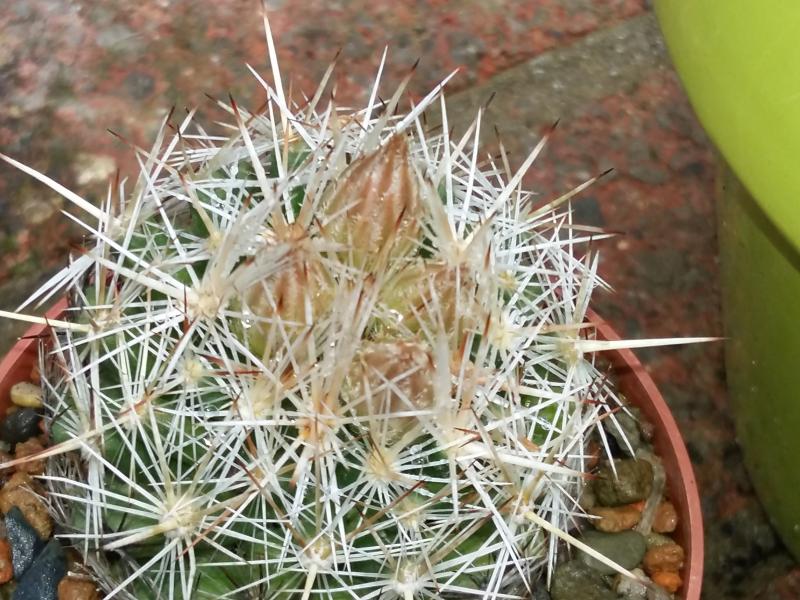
{"x": 70, "y": 69}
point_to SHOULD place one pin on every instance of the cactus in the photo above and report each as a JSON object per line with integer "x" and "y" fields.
{"x": 331, "y": 355}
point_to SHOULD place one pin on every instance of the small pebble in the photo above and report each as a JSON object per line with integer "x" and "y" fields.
{"x": 7, "y": 590}
{"x": 24, "y": 541}
{"x": 633, "y": 482}
{"x": 625, "y": 429}
{"x": 26, "y": 394}
{"x": 630, "y": 589}
{"x": 17, "y": 480}
{"x": 658, "y": 539}
{"x": 35, "y": 375}
{"x": 75, "y": 588}
{"x": 4, "y": 458}
{"x": 666, "y": 518}
{"x": 616, "y": 518}
{"x": 588, "y": 500}
{"x": 20, "y": 425}
{"x": 576, "y": 581}
{"x": 40, "y": 581}
{"x": 625, "y": 548}
{"x": 656, "y": 592}
{"x": 540, "y": 593}
{"x": 669, "y": 580}
{"x": 29, "y": 448}
{"x": 6, "y": 564}
{"x": 20, "y": 491}
{"x": 668, "y": 557}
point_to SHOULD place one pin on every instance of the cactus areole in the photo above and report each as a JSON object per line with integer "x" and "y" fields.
{"x": 333, "y": 354}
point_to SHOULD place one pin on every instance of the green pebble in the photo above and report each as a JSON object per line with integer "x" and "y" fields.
{"x": 574, "y": 580}
{"x": 633, "y": 482}
{"x": 625, "y": 548}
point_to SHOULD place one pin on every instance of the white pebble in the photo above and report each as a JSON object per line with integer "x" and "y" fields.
{"x": 631, "y": 589}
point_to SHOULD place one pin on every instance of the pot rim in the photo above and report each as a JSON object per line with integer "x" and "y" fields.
{"x": 633, "y": 380}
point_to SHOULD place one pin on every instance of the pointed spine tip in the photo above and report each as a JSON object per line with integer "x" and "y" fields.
{"x": 234, "y": 107}
{"x": 606, "y": 172}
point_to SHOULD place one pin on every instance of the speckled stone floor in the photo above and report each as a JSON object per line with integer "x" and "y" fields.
{"x": 71, "y": 69}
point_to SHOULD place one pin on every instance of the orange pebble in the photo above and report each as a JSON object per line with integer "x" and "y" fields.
{"x": 35, "y": 376}
{"x": 29, "y": 448}
{"x": 6, "y": 566}
{"x": 667, "y": 557}
{"x": 669, "y": 580}
{"x": 614, "y": 519}
{"x": 73, "y": 588}
{"x": 666, "y": 518}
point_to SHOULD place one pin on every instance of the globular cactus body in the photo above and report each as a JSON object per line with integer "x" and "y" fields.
{"x": 331, "y": 355}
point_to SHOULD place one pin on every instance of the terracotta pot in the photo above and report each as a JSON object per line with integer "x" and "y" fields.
{"x": 24, "y": 355}
{"x": 632, "y": 380}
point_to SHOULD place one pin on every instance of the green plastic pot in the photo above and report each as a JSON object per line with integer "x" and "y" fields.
{"x": 739, "y": 61}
